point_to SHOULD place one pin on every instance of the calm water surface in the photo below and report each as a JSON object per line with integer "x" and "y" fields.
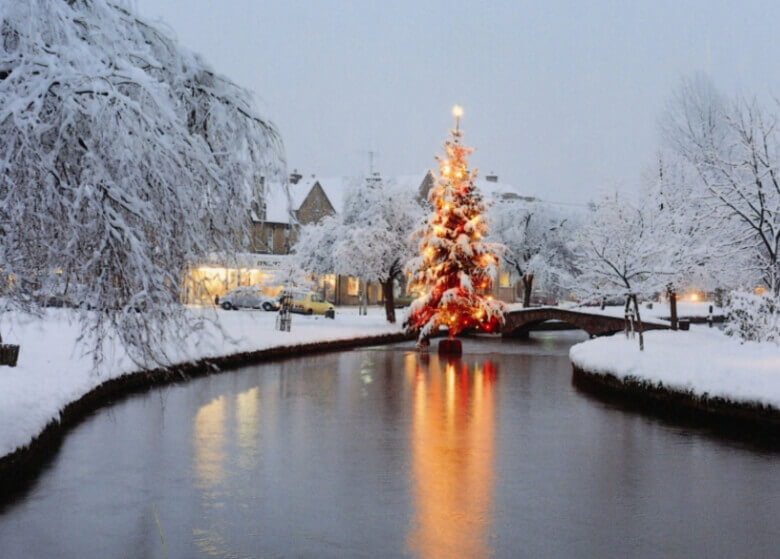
{"x": 383, "y": 453}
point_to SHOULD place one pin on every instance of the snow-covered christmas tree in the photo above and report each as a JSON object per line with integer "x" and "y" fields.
{"x": 456, "y": 268}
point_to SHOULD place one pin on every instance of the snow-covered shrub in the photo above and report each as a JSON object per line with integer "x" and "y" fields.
{"x": 753, "y": 317}
{"x": 123, "y": 157}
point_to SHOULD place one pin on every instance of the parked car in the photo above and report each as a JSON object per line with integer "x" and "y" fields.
{"x": 405, "y": 299}
{"x": 308, "y": 302}
{"x": 247, "y": 298}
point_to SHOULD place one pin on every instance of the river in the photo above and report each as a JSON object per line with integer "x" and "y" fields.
{"x": 383, "y": 452}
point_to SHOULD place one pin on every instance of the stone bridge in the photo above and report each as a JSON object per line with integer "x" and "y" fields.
{"x": 518, "y": 323}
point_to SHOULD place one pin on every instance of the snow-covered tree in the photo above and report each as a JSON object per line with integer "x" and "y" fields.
{"x": 668, "y": 200}
{"x": 369, "y": 240}
{"x": 734, "y": 148}
{"x": 316, "y": 243}
{"x": 456, "y": 266}
{"x": 377, "y": 221}
{"x": 123, "y": 158}
{"x": 535, "y": 236}
{"x": 618, "y": 254}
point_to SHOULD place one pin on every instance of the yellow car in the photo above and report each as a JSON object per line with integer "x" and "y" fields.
{"x": 311, "y": 303}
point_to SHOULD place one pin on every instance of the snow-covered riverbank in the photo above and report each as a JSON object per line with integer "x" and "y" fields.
{"x": 54, "y": 371}
{"x": 703, "y": 361}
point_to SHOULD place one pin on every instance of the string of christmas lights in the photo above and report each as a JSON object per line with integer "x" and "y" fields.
{"x": 456, "y": 267}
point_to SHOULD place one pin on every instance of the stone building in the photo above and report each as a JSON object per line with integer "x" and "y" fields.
{"x": 307, "y": 202}
{"x": 311, "y": 199}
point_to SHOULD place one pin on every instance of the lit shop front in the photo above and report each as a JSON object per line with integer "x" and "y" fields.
{"x": 213, "y": 278}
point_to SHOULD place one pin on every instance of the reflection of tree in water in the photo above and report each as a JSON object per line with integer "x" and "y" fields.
{"x": 453, "y": 430}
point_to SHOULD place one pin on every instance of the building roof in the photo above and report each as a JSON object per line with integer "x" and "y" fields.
{"x": 277, "y": 204}
{"x": 336, "y": 189}
{"x": 498, "y": 190}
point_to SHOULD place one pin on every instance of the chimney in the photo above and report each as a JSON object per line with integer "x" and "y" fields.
{"x": 295, "y": 176}
{"x": 491, "y": 177}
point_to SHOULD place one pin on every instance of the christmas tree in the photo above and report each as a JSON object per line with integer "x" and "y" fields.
{"x": 456, "y": 267}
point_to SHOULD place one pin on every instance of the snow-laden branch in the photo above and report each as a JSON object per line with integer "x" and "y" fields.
{"x": 734, "y": 149}
{"x": 124, "y": 158}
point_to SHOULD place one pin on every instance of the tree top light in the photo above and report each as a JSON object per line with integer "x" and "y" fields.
{"x": 457, "y": 112}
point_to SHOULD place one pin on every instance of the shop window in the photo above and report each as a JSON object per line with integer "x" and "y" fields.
{"x": 353, "y": 286}
{"x": 326, "y": 285}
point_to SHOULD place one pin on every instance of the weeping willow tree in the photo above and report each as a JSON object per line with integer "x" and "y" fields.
{"x": 123, "y": 157}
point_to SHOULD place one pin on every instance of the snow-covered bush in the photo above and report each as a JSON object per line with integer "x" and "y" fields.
{"x": 753, "y": 317}
{"x": 123, "y": 158}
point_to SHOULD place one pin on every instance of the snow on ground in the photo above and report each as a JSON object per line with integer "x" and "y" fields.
{"x": 53, "y": 371}
{"x": 702, "y": 360}
{"x": 659, "y": 311}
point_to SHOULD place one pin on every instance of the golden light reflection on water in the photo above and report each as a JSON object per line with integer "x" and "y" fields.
{"x": 214, "y": 439}
{"x": 248, "y": 424}
{"x": 452, "y": 443}
{"x": 209, "y": 442}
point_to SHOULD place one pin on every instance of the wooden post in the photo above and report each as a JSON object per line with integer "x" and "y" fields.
{"x": 672, "y": 305}
{"x": 9, "y": 353}
{"x": 639, "y": 324}
{"x": 625, "y": 314}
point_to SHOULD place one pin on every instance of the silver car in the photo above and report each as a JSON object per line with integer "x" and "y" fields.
{"x": 247, "y": 298}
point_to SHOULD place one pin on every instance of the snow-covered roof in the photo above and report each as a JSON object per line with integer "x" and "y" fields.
{"x": 491, "y": 190}
{"x": 407, "y": 182}
{"x": 336, "y": 188}
{"x": 276, "y": 203}
{"x": 276, "y": 209}
{"x": 497, "y": 190}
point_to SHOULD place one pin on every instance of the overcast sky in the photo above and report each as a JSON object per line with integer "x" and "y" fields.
{"x": 561, "y": 98}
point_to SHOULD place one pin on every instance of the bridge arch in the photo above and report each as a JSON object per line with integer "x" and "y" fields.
{"x": 518, "y": 323}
